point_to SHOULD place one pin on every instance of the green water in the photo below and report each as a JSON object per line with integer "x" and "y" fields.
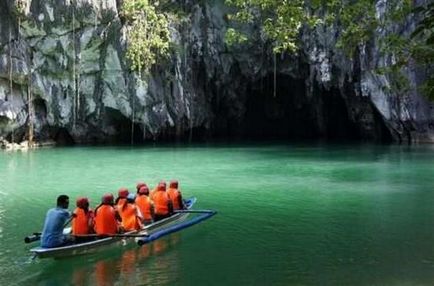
{"x": 288, "y": 215}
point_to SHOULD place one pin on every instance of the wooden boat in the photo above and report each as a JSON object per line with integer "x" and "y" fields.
{"x": 93, "y": 246}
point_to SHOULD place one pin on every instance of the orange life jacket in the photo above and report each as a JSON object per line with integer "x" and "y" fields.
{"x": 82, "y": 222}
{"x": 161, "y": 203}
{"x": 152, "y": 193}
{"x": 120, "y": 203}
{"x": 175, "y": 197}
{"x": 130, "y": 221}
{"x": 144, "y": 204}
{"x": 105, "y": 220}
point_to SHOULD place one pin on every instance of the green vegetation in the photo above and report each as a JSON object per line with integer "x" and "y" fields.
{"x": 280, "y": 21}
{"x": 357, "y": 21}
{"x": 19, "y": 7}
{"x": 148, "y": 34}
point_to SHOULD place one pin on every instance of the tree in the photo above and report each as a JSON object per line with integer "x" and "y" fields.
{"x": 148, "y": 34}
{"x": 357, "y": 21}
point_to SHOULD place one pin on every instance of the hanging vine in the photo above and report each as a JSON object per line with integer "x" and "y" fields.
{"x": 148, "y": 34}
{"x": 148, "y": 39}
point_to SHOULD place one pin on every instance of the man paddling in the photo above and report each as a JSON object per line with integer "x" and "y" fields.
{"x": 55, "y": 220}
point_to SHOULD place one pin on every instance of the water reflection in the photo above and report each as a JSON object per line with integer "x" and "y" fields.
{"x": 153, "y": 264}
{"x": 106, "y": 273}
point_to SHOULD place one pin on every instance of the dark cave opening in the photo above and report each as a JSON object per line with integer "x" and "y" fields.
{"x": 289, "y": 114}
{"x": 40, "y": 110}
{"x": 62, "y": 136}
{"x": 336, "y": 121}
{"x": 120, "y": 128}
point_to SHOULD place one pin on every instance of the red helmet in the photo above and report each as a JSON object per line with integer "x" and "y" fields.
{"x": 173, "y": 184}
{"x": 107, "y": 199}
{"x": 82, "y": 202}
{"x": 144, "y": 190}
{"x": 162, "y": 186}
{"x": 123, "y": 193}
{"x": 139, "y": 185}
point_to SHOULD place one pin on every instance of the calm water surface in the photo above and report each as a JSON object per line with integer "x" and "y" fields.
{"x": 288, "y": 215}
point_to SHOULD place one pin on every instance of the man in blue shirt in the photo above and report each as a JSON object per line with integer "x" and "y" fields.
{"x": 52, "y": 234}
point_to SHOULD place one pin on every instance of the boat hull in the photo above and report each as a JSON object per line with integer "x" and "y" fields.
{"x": 97, "y": 245}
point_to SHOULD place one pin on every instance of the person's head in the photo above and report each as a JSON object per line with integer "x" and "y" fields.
{"x": 131, "y": 198}
{"x": 107, "y": 199}
{"x": 139, "y": 185}
{"x": 83, "y": 203}
{"x": 162, "y": 186}
{"x": 123, "y": 193}
{"x": 144, "y": 190}
{"x": 63, "y": 201}
{"x": 173, "y": 184}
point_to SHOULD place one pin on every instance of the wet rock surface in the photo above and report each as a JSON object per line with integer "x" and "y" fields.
{"x": 83, "y": 92}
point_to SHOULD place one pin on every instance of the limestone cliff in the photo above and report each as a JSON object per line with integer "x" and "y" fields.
{"x": 72, "y": 62}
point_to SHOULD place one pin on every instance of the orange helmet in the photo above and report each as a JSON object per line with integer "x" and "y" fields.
{"x": 123, "y": 193}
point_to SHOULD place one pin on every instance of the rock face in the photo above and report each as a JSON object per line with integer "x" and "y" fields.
{"x": 72, "y": 63}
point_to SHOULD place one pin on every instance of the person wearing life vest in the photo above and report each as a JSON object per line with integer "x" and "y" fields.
{"x": 122, "y": 197}
{"x": 131, "y": 215}
{"x": 106, "y": 221}
{"x": 175, "y": 195}
{"x": 139, "y": 185}
{"x": 145, "y": 204}
{"x": 83, "y": 220}
{"x": 55, "y": 220}
{"x": 154, "y": 190}
{"x": 162, "y": 204}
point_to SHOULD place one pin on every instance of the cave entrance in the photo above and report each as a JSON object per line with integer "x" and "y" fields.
{"x": 40, "y": 109}
{"x": 334, "y": 119}
{"x": 284, "y": 114}
{"x": 62, "y": 137}
{"x": 119, "y": 128}
{"x": 289, "y": 114}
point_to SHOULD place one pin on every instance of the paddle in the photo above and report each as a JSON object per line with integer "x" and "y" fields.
{"x": 194, "y": 211}
{"x": 37, "y": 235}
{"x": 31, "y": 238}
{"x": 112, "y": 235}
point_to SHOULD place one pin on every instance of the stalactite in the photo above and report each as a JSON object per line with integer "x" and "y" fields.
{"x": 144, "y": 112}
{"x": 133, "y": 103}
{"x": 10, "y": 76}
{"x": 190, "y": 135}
{"x": 189, "y": 108}
{"x": 30, "y": 105}
{"x": 77, "y": 84}
{"x": 74, "y": 105}
{"x": 10, "y": 63}
{"x": 132, "y": 118}
{"x": 275, "y": 76}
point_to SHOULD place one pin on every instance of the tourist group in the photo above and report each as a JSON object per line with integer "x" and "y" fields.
{"x": 129, "y": 212}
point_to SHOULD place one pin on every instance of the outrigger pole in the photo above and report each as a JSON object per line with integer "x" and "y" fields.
{"x": 206, "y": 214}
